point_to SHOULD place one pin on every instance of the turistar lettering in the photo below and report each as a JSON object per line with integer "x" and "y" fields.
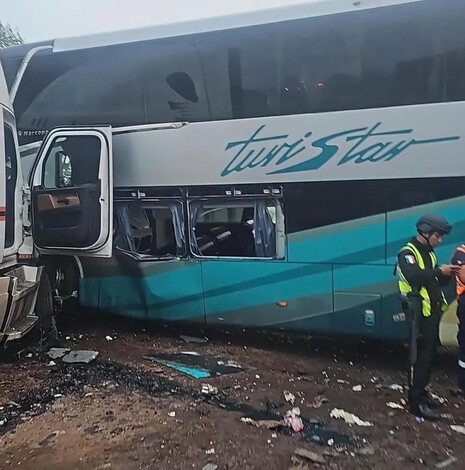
{"x": 279, "y": 153}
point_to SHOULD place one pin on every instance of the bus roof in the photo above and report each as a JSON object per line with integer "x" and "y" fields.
{"x": 274, "y": 15}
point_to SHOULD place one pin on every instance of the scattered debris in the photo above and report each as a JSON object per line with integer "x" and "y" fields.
{"x": 210, "y": 451}
{"x": 446, "y": 463}
{"x": 172, "y": 414}
{"x": 367, "y": 450}
{"x": 80, "y": 357}
{"x": 342, "y": 381}
{"x": 51, "y": 364}
{"x": 108, "y": 338}
{"x": 309, "y": 455}
{"x": 293, "y": 420}
{"x": 357, "y": 388}
{"x": 193, "y": 339}
{"x": 57, "y": 353}
{"x": 318, "y": 401}
{"x": 457, "y": 428}
{"x": 331, "y": 453}
{"x": 208, "y": 389}
{"x": 397, "y": 388}
{"x": 199, "y": 366}
{"x": 229, "y": 363}
{"x": 394, "y": 406}
{"x": 419, "y": 419}
{"x": 456, "y": 392}
{"x": 263, "y": 423}
{"x": 441, "y": 400}
{"x": 290, "y": 397}
{"x": 349, "y": 418}
{"x": 210, "y": 466}
{"x": 29, "y": 355}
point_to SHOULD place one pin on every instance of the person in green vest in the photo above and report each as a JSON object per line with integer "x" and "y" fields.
{"x": 421, "y": 281}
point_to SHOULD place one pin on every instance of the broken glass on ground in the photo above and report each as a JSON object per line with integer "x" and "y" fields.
{"x": 193, "y": 339}
{"x": 199, "y": 366}
{"x": 57, "y": 353}
{"x": 71, "y": 357}
{"x": 313, "y": 431}
{"x": 80, "y": 357}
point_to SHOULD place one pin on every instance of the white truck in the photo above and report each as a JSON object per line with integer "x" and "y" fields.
{"x": 25, "y": 289}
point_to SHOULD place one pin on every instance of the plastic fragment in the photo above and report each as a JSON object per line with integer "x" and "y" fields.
{"x": 349, "y": 418}
{"x": 395, "y": 406}
{"x": 290, "y": 397}
{"x": 309, "y": 455}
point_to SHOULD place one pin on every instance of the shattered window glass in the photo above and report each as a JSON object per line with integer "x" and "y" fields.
{"x": 236, "y": 229}
{"x": 148, "y": 230}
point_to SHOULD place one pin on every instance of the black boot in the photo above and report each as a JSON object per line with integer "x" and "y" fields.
{"x": 431, "y": 402}
{"x": 457, "y": 392}
{"x": 424, "y": 411}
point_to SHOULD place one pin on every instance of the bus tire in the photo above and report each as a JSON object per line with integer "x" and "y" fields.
{"x": 45, "y": 312}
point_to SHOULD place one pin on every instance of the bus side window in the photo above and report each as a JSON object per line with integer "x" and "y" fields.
{"x": 150, "y": 230}
{"x": 242, "y": 229}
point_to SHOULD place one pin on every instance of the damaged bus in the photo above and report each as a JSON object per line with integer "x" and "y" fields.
{"x": 259, "y": 170}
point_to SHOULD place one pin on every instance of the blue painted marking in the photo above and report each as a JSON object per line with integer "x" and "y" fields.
{"x": 195, "y": 372}
{"x": 372, "y": 145}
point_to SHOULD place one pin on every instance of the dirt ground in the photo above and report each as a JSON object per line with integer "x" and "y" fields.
{"x": 123, "y": 412}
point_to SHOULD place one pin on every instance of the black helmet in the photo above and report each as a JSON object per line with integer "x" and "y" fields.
{"x": 433, "y": 223}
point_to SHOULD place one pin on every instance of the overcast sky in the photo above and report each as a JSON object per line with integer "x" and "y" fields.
{"x": 47, "y": 19}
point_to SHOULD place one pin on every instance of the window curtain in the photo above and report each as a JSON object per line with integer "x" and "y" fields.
{"x": 124, "y": 236}
{"x": 264, "y": 231}
{"x": 194, "y": 210}
{"x": 178, "y": 225}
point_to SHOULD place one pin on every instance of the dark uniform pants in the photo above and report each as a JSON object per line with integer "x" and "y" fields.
{"x": 427, "y": 344}
{"x": 461, "y": 340}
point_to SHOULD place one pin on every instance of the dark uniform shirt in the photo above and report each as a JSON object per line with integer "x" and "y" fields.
{"x": 432, "y": 279}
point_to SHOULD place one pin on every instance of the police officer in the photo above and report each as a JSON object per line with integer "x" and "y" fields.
{"x": 420, "y": 274}
{"x": 458, "y": 259}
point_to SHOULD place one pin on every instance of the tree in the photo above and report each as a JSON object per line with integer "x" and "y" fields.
{"x": 9, "y": 36}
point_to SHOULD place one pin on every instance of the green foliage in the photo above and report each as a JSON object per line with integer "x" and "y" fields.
{"x": 9, "y": 36}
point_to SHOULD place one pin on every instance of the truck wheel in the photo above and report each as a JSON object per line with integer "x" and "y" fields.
{"x": 44, "y": 310}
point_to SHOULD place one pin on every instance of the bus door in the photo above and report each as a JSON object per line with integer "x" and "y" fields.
{"x": 72, "y": 193}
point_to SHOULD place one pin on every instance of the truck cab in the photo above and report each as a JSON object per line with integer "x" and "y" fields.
{"x": 61, "y": 209}
{"x": 19, "y": 283}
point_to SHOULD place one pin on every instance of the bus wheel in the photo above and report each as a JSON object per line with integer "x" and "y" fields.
{"x": 45, "y": 312}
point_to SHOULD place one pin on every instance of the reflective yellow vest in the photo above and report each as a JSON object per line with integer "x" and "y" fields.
{"x": 405, "y": 288}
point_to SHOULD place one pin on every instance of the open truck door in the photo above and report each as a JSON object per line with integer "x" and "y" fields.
{"x": 72, "y": 188}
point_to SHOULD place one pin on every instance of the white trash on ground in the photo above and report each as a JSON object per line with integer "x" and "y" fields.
{"x": 349, "y": 418}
